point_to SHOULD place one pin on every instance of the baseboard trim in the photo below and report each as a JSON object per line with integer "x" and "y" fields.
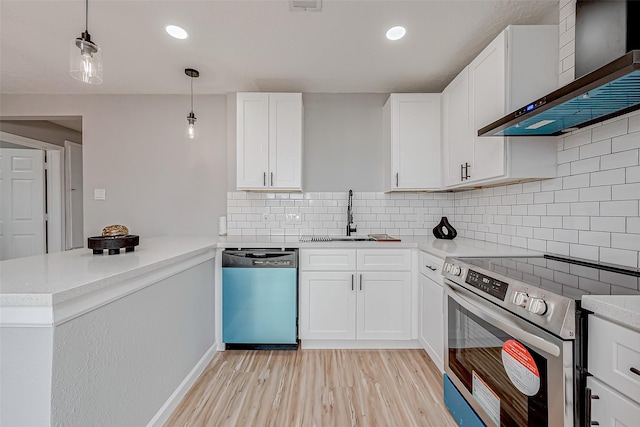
{"x": 359, "y": 344}
{"x": 171, "y": 404}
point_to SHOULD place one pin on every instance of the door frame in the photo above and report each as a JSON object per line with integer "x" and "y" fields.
{"x": 54, "y": 169}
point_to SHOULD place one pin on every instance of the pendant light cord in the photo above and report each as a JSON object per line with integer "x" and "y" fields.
{"x": 192, "y": 94}
{"x": 86, "y": 16}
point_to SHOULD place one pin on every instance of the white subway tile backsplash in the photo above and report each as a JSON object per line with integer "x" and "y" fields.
{"x": 595, "y": 194}
{"x": 587, "y": 165}
{"x": 619, "y": 256}
{"x": 633, "y": 225}
{"x": 615, "y": 176}
{"x": 577, "y": 139}
{"x": 608, "y": 223}
{"x": 634, "y": 123}
{"x": 585, "y": 208}
{"x": 575, "y": 222}
{"x": 626, "y": 142}
{"x": 594, "y": 238}
{"x": 619, "y": 160}
{"x": 625, "y": 241}
{"x": 610, "y": 130}
{"x": 619, "y": 208}
{"x": 577, "y": 181}
{"x": 625, "y": 192}
{"x": 595, "y": 149}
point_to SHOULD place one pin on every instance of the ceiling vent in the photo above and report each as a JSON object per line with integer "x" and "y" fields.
{"x": 305, "y": 5}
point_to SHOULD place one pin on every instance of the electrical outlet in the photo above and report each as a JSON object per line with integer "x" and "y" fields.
{"x": 293, "y": 218}
{"x": 265, "y": 217}
{"x": 99, "y": 194}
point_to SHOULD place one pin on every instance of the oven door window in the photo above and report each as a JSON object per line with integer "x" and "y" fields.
{"x": 507, "y": 378}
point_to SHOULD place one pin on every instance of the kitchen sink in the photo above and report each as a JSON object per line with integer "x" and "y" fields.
{"x": 336, "y": 239}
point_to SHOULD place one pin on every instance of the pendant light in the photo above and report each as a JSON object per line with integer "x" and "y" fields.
{"x": 86, "y": 56}
{"x": 191, "y": 118}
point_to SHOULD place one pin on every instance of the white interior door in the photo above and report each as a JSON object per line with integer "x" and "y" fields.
{"x": 73, "y": 191}
{"x": 22, "y": 222}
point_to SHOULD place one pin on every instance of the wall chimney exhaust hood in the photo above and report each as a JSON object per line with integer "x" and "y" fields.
{"x": 610, "y": 91}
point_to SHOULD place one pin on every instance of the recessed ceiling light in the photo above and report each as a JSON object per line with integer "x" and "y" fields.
{"x": 177, "y": 32}
{"x": 396, "y": 33}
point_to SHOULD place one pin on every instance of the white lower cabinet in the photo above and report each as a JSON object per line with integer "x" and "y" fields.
{"x": 614, "y": 361}
{"x": 354, "y": 301}
{"x": 431, "y": 308}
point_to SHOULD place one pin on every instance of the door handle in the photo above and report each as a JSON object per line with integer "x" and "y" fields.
{"x": 361, "y": 282}
{"x": 352, "y": 279}
{"x": 264, "y": 179}
{"x": 397, "y": 179}
{"x": 272, "y": 179}
{"x": 430, "y": 268}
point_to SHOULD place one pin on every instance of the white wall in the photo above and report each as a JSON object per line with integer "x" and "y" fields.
{"x": 343, "y": 142}
{"x": 157, "y": 183}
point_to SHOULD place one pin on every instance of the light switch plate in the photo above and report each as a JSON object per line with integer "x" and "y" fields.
{"x": 99, "y": 194}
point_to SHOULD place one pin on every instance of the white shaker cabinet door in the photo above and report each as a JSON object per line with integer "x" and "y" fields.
{"x": 457, "y": 144}
{"x": 327, "y": 305}
{"x": 384, "y": 306}
{"x": 487, "y": 103}
{"x": 252, "y": 140}
{"x": 285, "y": 139}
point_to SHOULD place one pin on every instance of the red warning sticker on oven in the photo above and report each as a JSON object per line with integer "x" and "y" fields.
{"x": 521, "y": 368}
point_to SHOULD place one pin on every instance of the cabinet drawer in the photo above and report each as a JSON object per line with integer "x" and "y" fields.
{"x": 611, "y": 409}
{"x": 613, "y": 352}
{"x": 431, "y": 266}
{"x": 328, "y": 259}
{"x": 384, "y": 260}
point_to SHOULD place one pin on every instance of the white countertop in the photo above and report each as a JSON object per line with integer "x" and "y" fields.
{"x": 53, "y": 278}
{"x": 48, "y": 280}
{"x": 622, "y": 309}
{"x": 438, "y": 247}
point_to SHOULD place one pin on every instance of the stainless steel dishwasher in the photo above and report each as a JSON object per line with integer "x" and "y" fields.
{"x": 260, "y": 299}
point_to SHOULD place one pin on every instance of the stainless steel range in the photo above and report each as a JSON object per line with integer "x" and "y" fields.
{"x": 515, "y": 337}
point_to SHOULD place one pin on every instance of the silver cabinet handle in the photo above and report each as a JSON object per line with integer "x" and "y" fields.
{"x": 272, "y": 179}
{"x": 264, "y": 179}
{"x": 361, "y": 282}
{"x": 397, "y": 179}
{"x": 352, "y": 279}
{"x": 431, "y": 268}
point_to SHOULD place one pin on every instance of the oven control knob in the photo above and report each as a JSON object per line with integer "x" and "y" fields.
{"x": 456, "y": 271}
{"x": 537, "y": 306}
{"x": 520, "y": 298}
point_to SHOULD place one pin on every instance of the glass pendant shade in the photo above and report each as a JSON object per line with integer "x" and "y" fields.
{"x": 86, "y": 60}
{"x": 192, "y": 129}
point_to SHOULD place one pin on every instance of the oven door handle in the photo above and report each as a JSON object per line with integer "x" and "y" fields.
{"x": 488, "y": 312}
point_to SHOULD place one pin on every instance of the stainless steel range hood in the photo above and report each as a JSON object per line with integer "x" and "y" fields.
{"x": 607, "y": 92}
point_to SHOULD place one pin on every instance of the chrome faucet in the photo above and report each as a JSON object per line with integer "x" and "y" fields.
{"x": 350, "y": 228}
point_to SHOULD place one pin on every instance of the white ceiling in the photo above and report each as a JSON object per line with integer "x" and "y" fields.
{"x": 253, "y": 45}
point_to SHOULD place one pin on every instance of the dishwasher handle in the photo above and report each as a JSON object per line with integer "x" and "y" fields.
{"x": 260, "y": 258}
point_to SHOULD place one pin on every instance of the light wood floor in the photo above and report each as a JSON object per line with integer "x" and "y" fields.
{"x": 321, "y": 388}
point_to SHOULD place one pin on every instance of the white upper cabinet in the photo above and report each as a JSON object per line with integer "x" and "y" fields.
{"x": 456, "y": 141}
{"x": 517, "y": 67}
{"x": 412, "y": 142}
{"x": 269, "y": 141}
